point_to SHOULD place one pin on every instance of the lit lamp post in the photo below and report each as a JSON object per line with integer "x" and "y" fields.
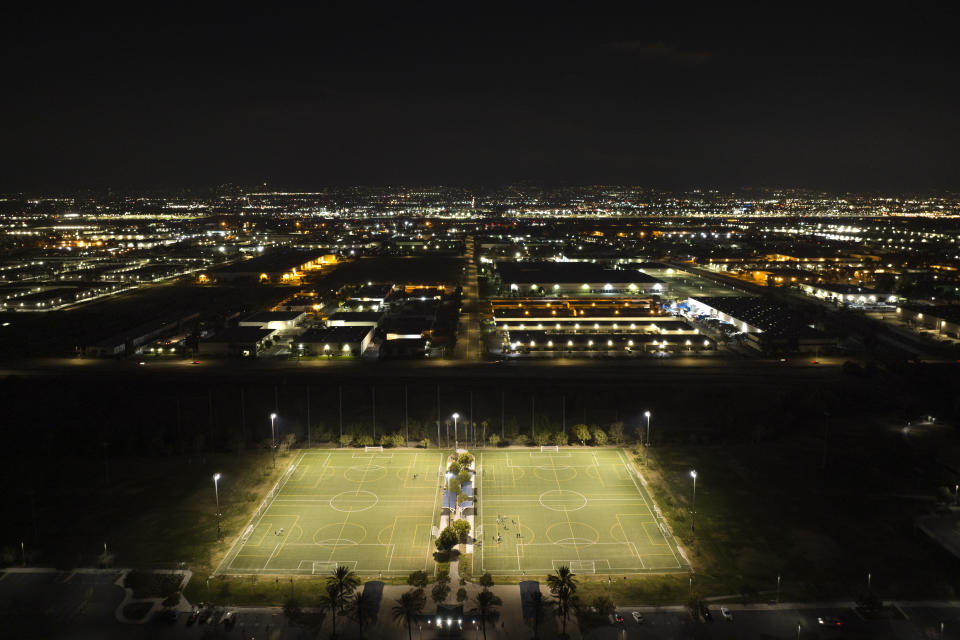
{"x": 216, "y": 493}
{"x": 456, "y": 444}
{"x": 647, "y": 416}
{"x": 693, "y": 518}
{"x": 273, "y": 432}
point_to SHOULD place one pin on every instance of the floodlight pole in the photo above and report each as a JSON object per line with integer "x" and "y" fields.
{"x": 647, "y": 415}
{"x": 216, "y": 492}
{"x": 693, "y": 517}
{"x": 456, "y": 443}
{"x": 273, "y": 432}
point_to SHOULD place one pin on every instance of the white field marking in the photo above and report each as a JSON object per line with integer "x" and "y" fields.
{"x": 627, "y": 467}
{"x": 434, "y": 517}
{"x": 255, "y": 519}
{"x": 479, "y": 503}
{"x": 277, "y": 546}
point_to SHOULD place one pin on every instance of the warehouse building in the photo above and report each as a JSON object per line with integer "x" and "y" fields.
{"x": 355, "y": 319}
{"x": 278, "y": 320}
{"x": 334, "y": 341}
{"x": 573, "y": 279}
{"x": 242, "y": 342}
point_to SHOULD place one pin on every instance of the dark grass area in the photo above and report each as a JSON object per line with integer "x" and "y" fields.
{"x": 150, "y": 512}
{"x": 769, "y": 509}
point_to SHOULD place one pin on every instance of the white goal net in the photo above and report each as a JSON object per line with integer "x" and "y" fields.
{"x": 378, "y": 449}
{"x": 583, "y": 566}
{"x": 549, "y": 448}
{"x": 329, "y": 566}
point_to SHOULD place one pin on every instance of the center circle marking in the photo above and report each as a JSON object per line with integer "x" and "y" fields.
{"x": 365, "y": 474}
{"x": 563, "y": 500}
{"x": 339, "y": 533}
{"x": 555, "y": 473}
{"x": 350, "y": 501}
{"x": 572, "y": 533}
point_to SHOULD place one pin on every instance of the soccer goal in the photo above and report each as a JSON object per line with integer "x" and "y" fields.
{"x": 377, "y": 449}
{"x": 329, "y": 566}
{"x": 549, "y": 448}
{"x": 583, "y": 566}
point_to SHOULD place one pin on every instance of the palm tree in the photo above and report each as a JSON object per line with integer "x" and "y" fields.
{"x": 487, "y": 604}
{"x": 540, "y": 607}
{"x": 408, "y": 607}
{"x": 562, "y": 586}
{"x": 346, "y": 582}
{"x": 330, "y": 602}
{"x": 358, "y": 607}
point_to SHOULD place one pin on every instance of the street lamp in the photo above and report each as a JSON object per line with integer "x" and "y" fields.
{"x": 456, "y": 444}
{"x": 693, "y": 518}
{"x": 778, "y": 588}
{"x": 647, "y": 416}
{"x": 273, "y": 432}
{"x": 216, "y": 492}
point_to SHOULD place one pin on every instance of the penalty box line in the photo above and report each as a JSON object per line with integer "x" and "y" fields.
{"x": 258, "y": 515}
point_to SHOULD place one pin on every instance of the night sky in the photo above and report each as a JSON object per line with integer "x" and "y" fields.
{"x": 813, "y": 97}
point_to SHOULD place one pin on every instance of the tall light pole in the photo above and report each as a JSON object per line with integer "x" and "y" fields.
{"x": 456, "y": 444}
{"x": 273, "y": 432}
{"x": 216, "y": 492}
{"x": 693, "y": 518}
{"x": 646, "y": 414}
{"x": 778, "y": 588}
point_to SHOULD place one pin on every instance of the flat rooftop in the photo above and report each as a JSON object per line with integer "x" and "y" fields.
{"x": 568, "y": 272}
{"x": 335, "y": 334}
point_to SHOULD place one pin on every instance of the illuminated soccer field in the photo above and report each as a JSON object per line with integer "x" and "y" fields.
{"x": 372, "y": 512}
{"x": 582, "y": 508}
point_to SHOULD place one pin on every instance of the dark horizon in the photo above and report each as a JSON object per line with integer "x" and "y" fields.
{"x": 834, "y": 100}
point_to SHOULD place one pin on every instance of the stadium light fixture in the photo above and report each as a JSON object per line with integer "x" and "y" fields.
{"x": 456, "y": 444}
{"x": 693, "y": 516}
{"x": 273, "y": 432}
{"x": 216, "y": 493}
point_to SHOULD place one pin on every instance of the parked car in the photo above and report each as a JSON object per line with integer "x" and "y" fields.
{"x": 830, "y": 622}
{"x": 727, "y": 615}
{"x": 638, "y": 617}
{"x": 228, "y": 620}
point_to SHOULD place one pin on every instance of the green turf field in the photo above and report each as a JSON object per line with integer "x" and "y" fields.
{"x": 347, "y": 507}
{"x": 580, "y": 507}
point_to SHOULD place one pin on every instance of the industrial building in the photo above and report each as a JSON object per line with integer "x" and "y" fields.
{"x": 278, "y": 267}
{"x": 243, "y": 342}
{"x": 131, "y": 340}
{"x": 591, "y": 326}
{"x": 849, "y": 294}
{"x": 355, "y": 319}
{"x": 573, "y": 279}
{"x": 766, "y": 325}
{"x": 279, "y": 320}
{"x": 334, "y": 341}
{"x": 944, "y": 318}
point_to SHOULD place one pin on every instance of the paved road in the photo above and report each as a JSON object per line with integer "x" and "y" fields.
{"x": 573, "y": 367}
{"x": 78, "y": 606}
{"x": 468, "y": 343}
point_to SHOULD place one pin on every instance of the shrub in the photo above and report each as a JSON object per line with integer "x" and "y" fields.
{"x": 424, "y": 444}
{"x": 365, "y": 440}
{"x": 346, "y": 440}
{"x": 541, "y": 438}
{"x": 494, "y": 439}
{"x": 560, "y": 439}
{"x": 521, "y": 439}
{"x": 599, "y": 437}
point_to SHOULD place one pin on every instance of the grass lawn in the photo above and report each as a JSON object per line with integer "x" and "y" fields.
{"x": 373, "y": 512}
{"x": 582, "y": 508}
{"x": 769, "y": 509}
